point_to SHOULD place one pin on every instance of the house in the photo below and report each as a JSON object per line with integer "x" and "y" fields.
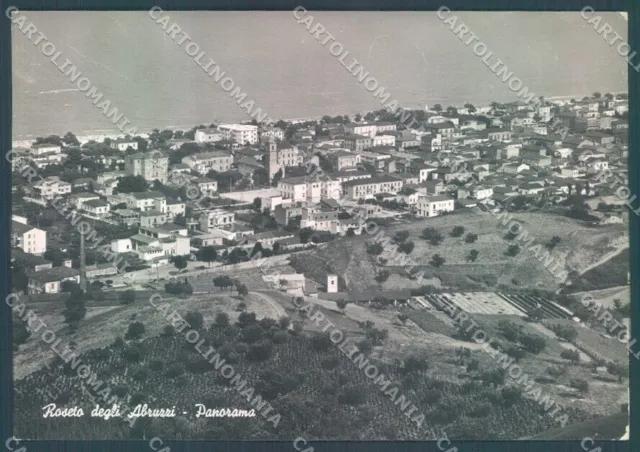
{"x": 30, "y": 262}
{"x": 203, "y": 162}
{"x": 384, "y": 140}
{"x": 530, "y": 188}
{"x": 51, "y": 187}
{"x": 357, "y": 143}
{"x": 598, "y": 137}
{"x": 271, "y": 132}
{"x": 208, "y": 135}
{"x": 498, "y": 134}
{"x": 122, "y": 144}
{"x": 571, "y": 172}
{"x": 174, "y": 208}
{"x": 446, "y": 128}
{"x": 207, "y": 186}
{"x": 268, "y": 238}
{"x": 126, "y": 216}
{"x": 383, "y": 126}
{"x": 152, "y": 218}
{"x": 405, "y": 139}
{"x": 215, "y": 237}
{"x": 27, "y": 238}
{"x": 513, "y": 168}
{"x": 431, "y": 187}
{"x": 367, "y": 188}
{"x": 96, "y": 207}
{"x": 431, "y": 206}
{"x": 151, "y": 200}
{"x": 563, "y": 153}
{"x": 50, "y": 280}
{"x": 179, "y": 168}
{"x": 101, "y": 270}
{"x": 598, "y": 164}
{"x": 480, "y": 192}
{"x": 151, "y": 166}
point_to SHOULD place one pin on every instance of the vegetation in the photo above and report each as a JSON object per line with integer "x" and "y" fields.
{"x": 432, "y": 236}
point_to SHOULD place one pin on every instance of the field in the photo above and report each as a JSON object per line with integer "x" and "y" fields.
{"x": 612, "y": 273}
{"x": 319, "y": 392}
{"x": 579, "y": 247}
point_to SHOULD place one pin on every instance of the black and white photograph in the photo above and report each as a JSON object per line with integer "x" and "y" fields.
{"x": 321, "y": 225}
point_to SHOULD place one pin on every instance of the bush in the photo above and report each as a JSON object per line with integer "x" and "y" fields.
{"x": 284, "y": 322}
{"x": 132, "y": 353}
{"x": 516, "y": 353}
{"x": 321, "y": 342}
{"x": 533, "y": 343}
{"x": 330, "y": 363}
{"x": 581, "y": 385}
{"x": 457, "y": 231}
{"x": 510, "y": 395}
{"x": 135, "y": 331}
{"x": 260, "y": 351}
{"x": 141, "y": 374}
{"x": 120, "y": 391}
{"x": 198, "y": 366}
{"x": 127, "y": 297}
{"x": 156, "y": 365}
{"x": 137, "y": 399}
{"x": 252, "y": 334}
{"x": 415, "y": 364}
{"x": 119, "y": 342}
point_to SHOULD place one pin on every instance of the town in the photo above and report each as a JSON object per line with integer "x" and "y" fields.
{"x": 380, "y": 227}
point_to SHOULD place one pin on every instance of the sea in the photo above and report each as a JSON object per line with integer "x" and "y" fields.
{"x": 287, "y": 72}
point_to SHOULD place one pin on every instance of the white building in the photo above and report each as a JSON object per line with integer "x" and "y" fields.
{"x": 151, "y": 166}
{"x": 123, "y": 145}
{"x": 51, "y": 187}
{"x": 28, "y": 238}
{"x": 204, "y": 162}
{"x": 207, "y": 135}
{"x": 151, "y": 200}
{"x": 96, "y": 207}
{"x": 432, "y": 206}
{"x": 365, "y": 129}
{"x": 240, "y": 133}
{"x": 384, "y": 140}
{"x": 216, "y": 218}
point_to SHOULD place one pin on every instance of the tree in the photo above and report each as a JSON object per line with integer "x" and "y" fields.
{"x": 375, "y": 249}
{"x": 457, "y": 231}
{"x": 75, "y": 308}
{"x": 473, "y": 255}
{"x": 127, "y": 297}
{"x": 581, "y": 385}
{"x": 403, "y": 318}
{"x": 553, "y": 242}
{"x": 470, "y": 108}
{"x": 415, "y": 363}
{"x": 617, "y": 370}
{"x": 243, "y": 291}
{"x": 401, "y": 236}
{"x": 221, "y": 320}
{"x": 342, "y": 305}
{"x": 194, "y": 319}
{"x": 513, "y": 250}
{"x": 597, "y": 95}
{"x": 437, "y": 108}
{"x": 608, "y": 96}
{"x": 437, "y": 260}
{"x": 432, "y": 236}
{"x": 180, "y": 262}
{"x": 305, "y": 235}
{"x": 135, "y": 331}
{"x": 20, "y": 331}
{"x": 406, "y": 247}
{"x": 382, "y": 276}
{"x": 207, "y": 254}
{"x": 70, "y": 139}
{"x": 132, "y": 184}
{"x": 533, "y": 343}
{"x": 471, "y": 238}
{"x": 571, "y": 355}
{"x": 222, "y": 281}
{"x": 284, "y": 322}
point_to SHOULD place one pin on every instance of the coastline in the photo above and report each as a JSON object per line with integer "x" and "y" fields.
{"x": 100, "y": 134}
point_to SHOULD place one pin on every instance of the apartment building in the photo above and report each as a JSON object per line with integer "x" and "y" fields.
{"x": 275, "y": 133}
{"x": 156, "y": 243}
{"x": 432, "y": 206}
{"x": 309, "y": 189}
{"x": 207, "y": 186}
{"x": 240, "y": 133}
{"x": 51, "y": 187}
{"x": 368, "y": 188}
{"x": 204, "y": 162}
{"x": 151, "y": 166}
{"x": 384, "y": 140}
{"x": 27, "y": 238}
{"x": 41, "y": 155}
{"x": 207, "y": 135}
{"x": 151, "y": 200}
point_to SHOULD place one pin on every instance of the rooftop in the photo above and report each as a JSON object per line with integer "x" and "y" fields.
{"x": 53, "y": 274}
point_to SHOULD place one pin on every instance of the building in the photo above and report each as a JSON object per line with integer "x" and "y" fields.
{"x": 344, "y": 159}
{"x": 101, "y": 270}
{"x": 357, "y": 143}
{"x": 151, "y": 166}
{"x": 27, "y": 238}
{"x": 145, "y": 201}
{"x": 207, "y": 186}
{"x": 364, "y": 129}
{"x": 271, "y": 132}
{"x": 207, "y": 135}
{"x": 384, "y": 140}
{"x": 122, "y": 144}
{"x": 446, "y": 128}
{"x": 204, "y": 162}
{"x": 152, "y": 218}
{"x": 498, "y": 134}
{"x": 96, "y": 207}
{"x": 217, "y": 218}
{"x": 431, "y": 206}
{"x": 240, "y": 133}
{"x": 51, "y": 187}
{"x": 368, "y": 188}
{"x": 50, "y": 280}
{"x": 155, "y": 243}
